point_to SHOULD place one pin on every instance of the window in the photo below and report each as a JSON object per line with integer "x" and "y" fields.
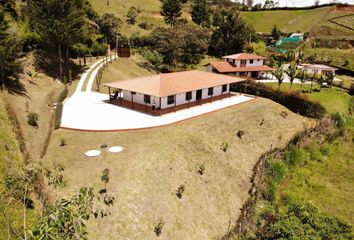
{"x": 147, "y": 99}
{"x": 224, "y": 88}
{"x": 210, "y": 91}
{"x": 133, "y": 93}
{"x": 188, "y": 96}
{"x": 251, "y": 61}
{"x": 170, "y": 99}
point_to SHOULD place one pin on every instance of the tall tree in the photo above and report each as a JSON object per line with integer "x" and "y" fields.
{"x": 201, "y": 13}
{"x": 60, "y": 23}
{"x": 230, "y": 34}
{"x": 291, "y": 72}
{"x": 302, "y": 77}
{"x": 171, "y": 10}
{"x": 109, "y": 26}
{"x": 10, "y": 66}
{"x": 276, "y": 33}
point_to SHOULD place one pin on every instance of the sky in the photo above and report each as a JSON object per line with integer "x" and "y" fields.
{"x": 302, "y": 3}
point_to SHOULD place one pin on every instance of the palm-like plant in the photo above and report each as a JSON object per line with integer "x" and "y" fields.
{"x": 291, "y": 72}
{"x": 302, "y": 76}
{"x": 330, "y": 78}
{"x": 279, "y": 75}
{"x": 312, "y": 79}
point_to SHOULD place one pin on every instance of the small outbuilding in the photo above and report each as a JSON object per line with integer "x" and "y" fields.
{"x": 318, "y": 69}
{"x": 170, "y": 92}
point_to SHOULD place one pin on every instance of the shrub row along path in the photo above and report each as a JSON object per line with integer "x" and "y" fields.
{"x": 89, "y": 111}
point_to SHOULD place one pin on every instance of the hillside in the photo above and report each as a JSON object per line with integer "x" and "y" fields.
{"x": 146, "y": 175}
{"x": 286, "y": 20}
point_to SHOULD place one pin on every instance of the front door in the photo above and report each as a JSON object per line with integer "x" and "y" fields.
{"x": 199, "y": 94}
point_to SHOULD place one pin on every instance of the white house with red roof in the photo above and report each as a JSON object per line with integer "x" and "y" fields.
{"x": 242, "y": 64}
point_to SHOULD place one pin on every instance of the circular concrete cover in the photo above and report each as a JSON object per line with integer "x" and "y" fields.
{"x": 92, "y": 153}
{"x": 115, "y": 149}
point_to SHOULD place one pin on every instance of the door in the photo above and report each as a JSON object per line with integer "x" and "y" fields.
{"x": 199, "y": 94}
{"x": 254, "y": 74}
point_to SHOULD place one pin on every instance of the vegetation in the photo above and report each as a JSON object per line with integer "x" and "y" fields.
{"x": 171, "y": 10}
{"x": 201, "y": 13}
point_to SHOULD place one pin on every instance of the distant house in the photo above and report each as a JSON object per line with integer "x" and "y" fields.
{"x": 242, "y": 65}
{"x": 170, "y": 92}
{"x": 318, "y": 69}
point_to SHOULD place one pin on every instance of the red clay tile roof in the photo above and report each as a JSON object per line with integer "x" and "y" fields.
{"x": 167, "y": 84}
{"x": 225, "y": 67}
{"x": 243, "y": 56}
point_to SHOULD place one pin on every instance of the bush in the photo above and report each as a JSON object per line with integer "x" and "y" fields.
{"x": 62, "y": 142}
{"x": 295, "y": 156}
{"x": 158, "y": 228}
{"x": 224, "y": 146}
{"x": 180, "y": 191}
{"x": 240, "y": 134}
{"x": 63, "y": 95}
{"x": 32, "y": 119}
{"x": 201, "y": 169}
{"x": 338, "y": 119}
{"x": 351, "y": 89}
{"x": 292, "y": 100}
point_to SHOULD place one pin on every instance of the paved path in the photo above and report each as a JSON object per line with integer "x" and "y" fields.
{"x": 89, "y": 111}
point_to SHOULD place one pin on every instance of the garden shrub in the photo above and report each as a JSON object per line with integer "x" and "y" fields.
{"x": 294, "y": 101}
{"x": 240, "y": 134}
{"x": 32, "y": 119}
{"x": 338, "y": 119}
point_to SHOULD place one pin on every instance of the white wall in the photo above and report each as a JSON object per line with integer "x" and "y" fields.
{"x": 256, "y": 62}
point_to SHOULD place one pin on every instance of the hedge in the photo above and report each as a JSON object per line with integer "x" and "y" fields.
{"x": 294, "y": 101}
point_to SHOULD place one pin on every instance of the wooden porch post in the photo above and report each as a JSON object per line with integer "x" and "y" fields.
{"x": 132, "y": 97}
{"x": 160, "y": 106}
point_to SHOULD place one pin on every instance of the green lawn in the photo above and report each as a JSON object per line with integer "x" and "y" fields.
{"x": 347, "y": 81}
{"x": 333, "y": 99}
{"x": 327, "y": 179}
{"x": 286, "y": 20}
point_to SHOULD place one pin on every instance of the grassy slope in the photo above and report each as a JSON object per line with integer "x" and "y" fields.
{"x": 122, "y": 69}
{"x": 333, "y": 99}
{"x": 286, "y": 20}
{"x": 150, "y": 11}
{"x": 328, "y": 182}
{"x": 146, "y": 175}
{"x": 39, "y": 99}
{"x": 10, "y": 161}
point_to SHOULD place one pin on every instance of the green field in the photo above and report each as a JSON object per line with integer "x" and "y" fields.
{"x": 327, "y": 180}
{"x": 333, "y": 99}
{"x": 286, "y": 20}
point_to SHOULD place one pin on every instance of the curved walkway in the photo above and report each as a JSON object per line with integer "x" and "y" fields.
{"x": 88, "y": 111}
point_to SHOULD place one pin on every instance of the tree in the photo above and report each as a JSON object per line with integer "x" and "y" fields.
{"x": 230, "y": 34}
{"x": 171, "y": 10}
{"x": 330, "y": 78}
{"x": 10, "y": 52}
{"x": 132, "y": 15}
{"x": 312, "y": 79}
{"x": 60, "y": 24}
{"x": 302, "y": 77}
{"x": 291, "y": 72}
{"x": 259, "y": 48}
{"x": 179, "y": 47}
{"x": 109, "y": 25}
{"x": 105, "y": 177}
{"x": 279, "y": 75}
{"x": 276, "y": 33}
{"x": 201, "y": 13}
{"x": 269, "y": 4}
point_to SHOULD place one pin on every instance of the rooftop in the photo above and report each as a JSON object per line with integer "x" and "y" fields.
{"x": 318, "y": 66}
{"x": 167, "y": 84}
{"x": 243, "y": 56}
{"x": 225, "y": 67}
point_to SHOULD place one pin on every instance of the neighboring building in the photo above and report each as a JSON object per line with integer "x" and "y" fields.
{"x": 242, "y": 65}
{"x": 170, "y": 92}
{"x": 318, "y": 69}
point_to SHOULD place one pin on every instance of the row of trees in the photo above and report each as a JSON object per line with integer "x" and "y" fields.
{"x": 294, "y": 72}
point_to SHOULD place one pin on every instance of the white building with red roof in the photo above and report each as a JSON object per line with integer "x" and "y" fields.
{"x": 242, "y": 64}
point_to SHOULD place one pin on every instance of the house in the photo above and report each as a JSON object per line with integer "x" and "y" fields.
{"x": 318, "y": 69}
{"x": 242, "y": 64}
{"x": 170, "y": 92}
